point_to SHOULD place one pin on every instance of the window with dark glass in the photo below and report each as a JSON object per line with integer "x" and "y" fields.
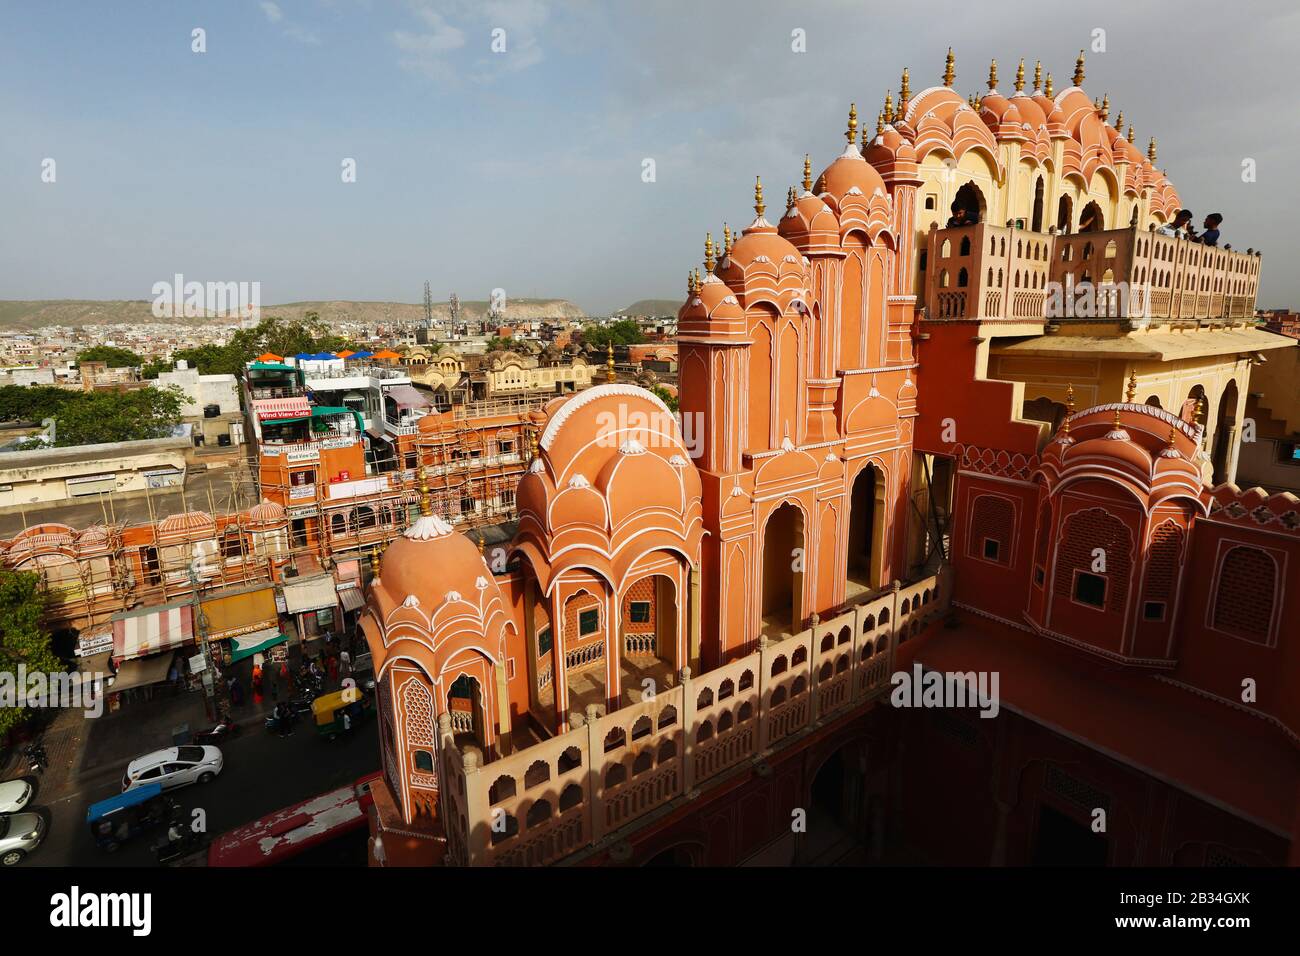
{"x": 639, "y": 612}
{"x": 1090, "y": 589}
{"x": 589, "y": 621}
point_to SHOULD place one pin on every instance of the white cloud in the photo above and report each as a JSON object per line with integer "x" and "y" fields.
{"x": 272, "y": 11}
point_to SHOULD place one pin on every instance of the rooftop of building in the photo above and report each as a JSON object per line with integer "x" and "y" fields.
{"x": 1152, "y": 346}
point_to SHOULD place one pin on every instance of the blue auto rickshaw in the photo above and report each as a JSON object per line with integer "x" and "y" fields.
{"x": 127, "y": 815}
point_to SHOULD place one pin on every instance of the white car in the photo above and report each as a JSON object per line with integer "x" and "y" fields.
{"x": 14, "y": 795}
{"x": 173, "y": 767}
{"x": 20, "y": 833}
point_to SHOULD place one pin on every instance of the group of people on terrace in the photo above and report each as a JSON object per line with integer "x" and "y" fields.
{"x": 1182, "y": 228}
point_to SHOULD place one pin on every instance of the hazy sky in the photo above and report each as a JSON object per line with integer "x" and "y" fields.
{"x": 523, "y": 170}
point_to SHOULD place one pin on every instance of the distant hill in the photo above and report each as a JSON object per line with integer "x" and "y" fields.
{"x": 15, "y": 315}
{"x": 651, "y": 307}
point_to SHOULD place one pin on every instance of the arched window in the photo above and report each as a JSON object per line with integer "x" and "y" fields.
{"x": 1245, "y": 594}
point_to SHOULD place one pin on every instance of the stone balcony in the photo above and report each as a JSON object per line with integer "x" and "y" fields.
{"x": 561, "y": 795}
{"x": 987, "y": 273}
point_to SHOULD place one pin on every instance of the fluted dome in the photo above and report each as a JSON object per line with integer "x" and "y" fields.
{"x": 849, "y": 175}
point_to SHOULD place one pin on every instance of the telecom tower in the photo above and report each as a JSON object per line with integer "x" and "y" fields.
{"x": 428, "y": 306}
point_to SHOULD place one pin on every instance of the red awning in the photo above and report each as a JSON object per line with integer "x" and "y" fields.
{"x": 270, "y": 408}
{"x": 152, "y": 631}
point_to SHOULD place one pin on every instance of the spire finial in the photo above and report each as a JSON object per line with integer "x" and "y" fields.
{"x": 807, "y": 173}
{"x": 690, "y": 282}
{"x": 426, "y": 509}
{"x": 880, "y": 122}
{"x": 1173, "y": 434}
{"x": 949, "y": 73}
{"x": 758, "y": 195}
{"x": 904, "y": 91}
{"x": 1105, "y": 107}
{"x": 1131, "y": 132}
{"x": 1020, "y": 76}
{"x": 482, "y": 544}
{"x": 1119, "y": 121}
{"x": 726, "y": 239}
{"x": 609, "y": 363}
{"x": 374, "y": 565}
{"x": 1078, "y": 70}
{"x": 789, "y": 199}
{"x": 1069, "y": 397}
{"x": 1038, "y": 74}
{"x": 1115, "y": 422}
{"x": 852, "y": 132}
{"x": 889, "y": 106}
{"x": 1131, "y": 394}
{"x": 1151, "y": 150}
{"x": 993, "y": 74}
{"x": 1047, "y": 90}
{"x": 709, "y": 261}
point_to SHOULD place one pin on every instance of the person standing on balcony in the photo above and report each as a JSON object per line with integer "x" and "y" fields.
{"x": 1180, "y": 228}
{"x": 1210, "y": 237}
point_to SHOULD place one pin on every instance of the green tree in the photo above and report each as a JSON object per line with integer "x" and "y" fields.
{"x": 151, "y": 370}
{"x": 622, "y": 332}
{"x": 666, "y": 396}
{"x": 32, "y": 403}
{"x": 23, "y": 638}
{"x": 92, "y": 418}
{"x": 110, "y": 354}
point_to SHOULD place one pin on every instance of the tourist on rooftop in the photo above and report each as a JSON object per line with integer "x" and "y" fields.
{"x": 1210, "y": 237}
{"x": 1180, "y": 228}
{"x": 960, "y": 215}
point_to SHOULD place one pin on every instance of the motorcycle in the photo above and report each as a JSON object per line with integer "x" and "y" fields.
{"x": 220, "y": 732}
{"x": 175, "y": 847}
{"x": 36, "y": 759}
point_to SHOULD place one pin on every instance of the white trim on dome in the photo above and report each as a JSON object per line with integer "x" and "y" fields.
{"x": 427, "y": 528}
{"x": 590, "y": 395}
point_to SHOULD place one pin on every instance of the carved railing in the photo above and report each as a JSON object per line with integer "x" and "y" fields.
{"x": 551, "y": 799}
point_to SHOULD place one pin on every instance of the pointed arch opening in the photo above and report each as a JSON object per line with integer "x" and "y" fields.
{"x": 783, "y": 571}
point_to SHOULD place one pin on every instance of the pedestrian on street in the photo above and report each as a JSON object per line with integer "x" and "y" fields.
{"x": 345, "y": 660}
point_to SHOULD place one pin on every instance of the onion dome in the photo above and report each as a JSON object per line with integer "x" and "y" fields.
{"x": 850, "y": 174}
{"x": 433, "y": 564}
{"x": 998, "y": 112}
{"x": 809, "y": 223}
{"x": 759, "y": 244}
{"x": 711, "y": 307}
{"x": 266, "y": 512}
{"x": 187, "y": 524}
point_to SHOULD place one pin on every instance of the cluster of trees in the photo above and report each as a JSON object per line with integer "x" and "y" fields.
{"x": 622, "y": 332}
{"x": 273, "y": 334}
{"x": 111, "y": 355}
{"x": 508, "y": 344}
{"x": 23, "y": 638}
{"x": 91, "y": 418}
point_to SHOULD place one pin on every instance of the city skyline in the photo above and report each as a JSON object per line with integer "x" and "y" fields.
{"x": 523, "y": 170}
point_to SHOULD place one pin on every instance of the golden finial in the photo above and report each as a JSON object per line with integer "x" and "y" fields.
{"x": 993, "y": 74}
{"x": 1105, "y": 107}
{"x": 1131, "y": 132}
{"x": 1151, "y": 150}
{"x": 690, "y": 283}
{"x": 1119, "y": 121}
{"x": 374, "y": 565}
{"x": 426, "y": 509}
{"x": 880, "y": 122}
{"x": 699, "y": 284}
{"x": 1132, "y": 386}
{"x": 1020, "y": 76}
{"x": 904, "y": 91}
{"x": 889, "y": 106}
{"x": 726, "y": 239}
{"x": 1038, "y": 75}
{"x": 609, "y": 364}
{"x": 1115, "y": 422}
{"x": 1200, "y": 407}
{"x": 1078, "y": 70}
{"x": 709, "y": 261}
{"x": 949, "y": 74}
{"x": 758, "y": 188}
{"x": 1069, "y": 397}
{"x": 852, "y": 132}
{"x": 1173, "y": 434}
{"x": 482, "y": 545}
{"x": 807, "y": 173}
{"x": 1047, "y": 90}
{"x": 789, "y": 199}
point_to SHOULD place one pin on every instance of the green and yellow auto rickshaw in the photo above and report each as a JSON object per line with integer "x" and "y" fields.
{"x": 340, "y": 712}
